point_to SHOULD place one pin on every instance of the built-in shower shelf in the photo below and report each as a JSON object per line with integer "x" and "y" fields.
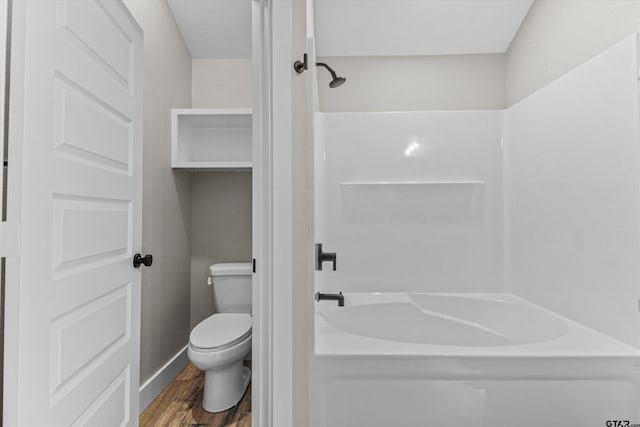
{"x": 392, "y": 201}
{"x": 211, "y": 139}
{"x": 412, "y": 183}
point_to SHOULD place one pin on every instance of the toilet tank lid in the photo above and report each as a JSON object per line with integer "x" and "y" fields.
{"x": 230, "y": 269}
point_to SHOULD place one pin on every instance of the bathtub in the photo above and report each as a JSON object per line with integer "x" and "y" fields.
{"x": 416, "y": 359}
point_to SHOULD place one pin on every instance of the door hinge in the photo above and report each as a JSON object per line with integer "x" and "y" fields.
{"x": 9, "y": 239}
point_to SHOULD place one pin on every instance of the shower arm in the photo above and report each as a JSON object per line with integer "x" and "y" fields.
{"x": 301, "y": 66}
{"x": 333, "y": 73}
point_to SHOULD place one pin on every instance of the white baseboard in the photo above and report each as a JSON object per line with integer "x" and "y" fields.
{"x": 161, "y": 379}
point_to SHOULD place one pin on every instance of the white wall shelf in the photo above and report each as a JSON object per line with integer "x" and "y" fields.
{"x": 211, "y": 139}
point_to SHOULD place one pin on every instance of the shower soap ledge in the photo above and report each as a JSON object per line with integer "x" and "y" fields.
{"x": 414, "y": 183}
{"x": 412, "y": 201}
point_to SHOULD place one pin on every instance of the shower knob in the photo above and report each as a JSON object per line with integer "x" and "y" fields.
{"x": 324, "y": 256}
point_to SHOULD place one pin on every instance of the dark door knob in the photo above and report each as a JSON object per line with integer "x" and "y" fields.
{"x": 138, "y": 260}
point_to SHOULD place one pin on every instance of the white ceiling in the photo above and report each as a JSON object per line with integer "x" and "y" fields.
{"x": 222, "y": 28}
{"x": 214, "y": 28}
{"x": 416, "y": 27}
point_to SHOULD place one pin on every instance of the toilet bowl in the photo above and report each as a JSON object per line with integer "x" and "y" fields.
{"x": 219, "y": 344}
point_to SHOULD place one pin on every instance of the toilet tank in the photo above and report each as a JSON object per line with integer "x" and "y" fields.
{"x": 231, "y": 287}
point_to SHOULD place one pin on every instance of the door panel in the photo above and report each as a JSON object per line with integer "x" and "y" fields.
{"x": 89, "y": 131}
{"x": 78, "y": 161}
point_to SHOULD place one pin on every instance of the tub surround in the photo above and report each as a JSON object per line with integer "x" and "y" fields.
{"x": 488, "y": 259}
{"x": 539, "y": 200}
{"x": 573, "y": 203}
{"x": 410, "y": 201}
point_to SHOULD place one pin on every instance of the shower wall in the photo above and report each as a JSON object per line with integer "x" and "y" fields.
{"x": 410, "y": 201}
{"x": 413, "y": 201}
{"x": 573, "y": 199}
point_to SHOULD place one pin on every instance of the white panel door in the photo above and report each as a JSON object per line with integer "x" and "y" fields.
{"x": 75, "y": 169}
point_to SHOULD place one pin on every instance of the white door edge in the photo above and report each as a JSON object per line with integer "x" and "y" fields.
{"x": 261, "y": 216}
{"x": 282, "y": 214}
{"x": 12, "y": 281}
{"x": 272, "y": 205}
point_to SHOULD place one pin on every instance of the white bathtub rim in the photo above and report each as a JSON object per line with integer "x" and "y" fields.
{"x": 412, "y": 299}
{"x": 579, "y": 341}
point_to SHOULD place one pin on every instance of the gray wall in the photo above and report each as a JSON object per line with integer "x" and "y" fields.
{"x": 166, "y": 204}
{"x": 221, "y": 230}
{"x": 189, "y": 220}
{"x": 221, "y": 83}
{"x": 416, "y": 83}
{"x": 558, "y": 35}
{"x": 221, "y": 201}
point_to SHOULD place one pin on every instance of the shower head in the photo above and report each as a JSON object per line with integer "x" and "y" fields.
{"x": 336, "y": 81}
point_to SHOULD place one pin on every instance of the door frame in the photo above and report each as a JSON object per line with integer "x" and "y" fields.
{"x": 5, "y": 51}
{"x": 272, "y": 397}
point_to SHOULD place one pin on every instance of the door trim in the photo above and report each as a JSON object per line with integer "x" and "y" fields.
{"x": 15, "y": 125}
{"x": 272, "y": 397}
{"x": 282, "y": 245}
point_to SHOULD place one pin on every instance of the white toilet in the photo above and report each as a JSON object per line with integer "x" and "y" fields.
{"x": 219, "y": 344}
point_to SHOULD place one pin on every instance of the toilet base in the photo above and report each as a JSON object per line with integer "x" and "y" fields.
{"x": 223, "y": 388}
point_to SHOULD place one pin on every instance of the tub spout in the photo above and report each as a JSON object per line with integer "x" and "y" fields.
{"x": 334, "y": 297}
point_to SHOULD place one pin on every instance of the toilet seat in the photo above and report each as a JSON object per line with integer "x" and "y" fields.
{"x": 220, "y": 331}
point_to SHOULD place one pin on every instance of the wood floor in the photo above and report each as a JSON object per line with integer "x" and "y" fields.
{"x": 180, "y": 405}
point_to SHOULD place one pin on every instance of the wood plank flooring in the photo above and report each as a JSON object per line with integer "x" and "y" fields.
{"x": 180, "y": 405}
